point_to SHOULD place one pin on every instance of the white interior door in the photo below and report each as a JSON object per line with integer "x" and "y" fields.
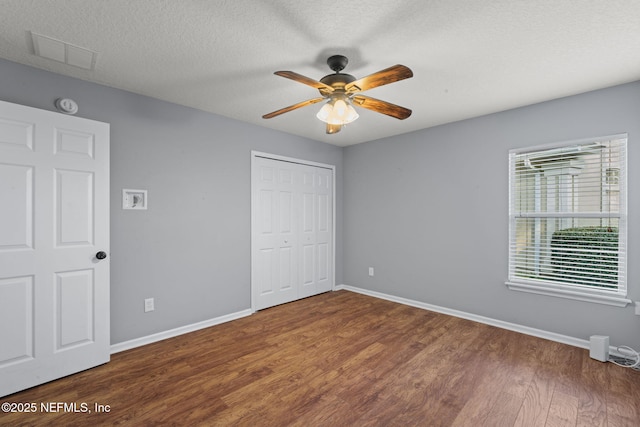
{"x": 292, "y": 231}
{"x": 54, "y": 219}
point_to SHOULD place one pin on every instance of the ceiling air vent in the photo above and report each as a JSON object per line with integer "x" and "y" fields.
{"x": 57, "y": 50}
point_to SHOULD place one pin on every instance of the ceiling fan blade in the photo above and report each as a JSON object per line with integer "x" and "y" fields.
{"x": 333, "y": 128}
{"x": 381, "y": 107}
{"x": 381, "y": 78}
{"x": 305, "y": 80}
{"x": 292, "y": 107}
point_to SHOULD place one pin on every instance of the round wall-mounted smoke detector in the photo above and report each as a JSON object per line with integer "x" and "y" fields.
{"x": 66, "y": 105}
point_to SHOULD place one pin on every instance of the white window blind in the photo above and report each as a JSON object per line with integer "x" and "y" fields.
{"x": 567, "y": 218}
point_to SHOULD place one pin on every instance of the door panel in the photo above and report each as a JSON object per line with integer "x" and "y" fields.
{"x": 74, "y": 208}
{"x": 16, "y": 309}
{"x": 286, "y": 281}
{"x": 266, "y": 211}
{"x": 286, "y": 207}
{"x": 16, "y": 135}
{"x": 308, "y": 268}
{"x": 265, "y": 271}
{"x": 54, "y": 293}
{"x": 323, "y": 262}
{"x": 308, "y": 214}
{"x": 74, "y": 308}
{"x": 16, "y": 227}
{"x": 73, "y": 143}
{"x": 323, "y": 213}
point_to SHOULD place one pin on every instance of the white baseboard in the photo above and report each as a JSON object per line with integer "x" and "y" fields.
{"x": 137, "y": 342}
{"x": 564, "y": 339}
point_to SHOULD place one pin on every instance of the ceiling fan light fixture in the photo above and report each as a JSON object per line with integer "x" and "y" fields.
{"x": 338, "y": 111}
{"x": 340, "y": 92}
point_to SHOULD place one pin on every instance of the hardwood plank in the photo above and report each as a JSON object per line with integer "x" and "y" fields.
{"x": 567, "y": 373}
{"x": 327, "y": 411}
{"x": 563, "y": 410}
{"x": 623, "y": 410}
{"x": 489, "y": 404}
{"x": 594, "y": 387}
{"x": 520, "y": 364}
{"x": 504, "y": 411}
{"x": 535, "y": 406}
{"x": 343, "y": 359}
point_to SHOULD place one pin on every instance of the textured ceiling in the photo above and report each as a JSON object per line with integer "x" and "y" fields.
{"x": 469, "y": 57}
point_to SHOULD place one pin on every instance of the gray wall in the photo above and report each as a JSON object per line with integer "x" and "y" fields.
{"x": 429, "y": 210}
{"x": 191, "y": 249}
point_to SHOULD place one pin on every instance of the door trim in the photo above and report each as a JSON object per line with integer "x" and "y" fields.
{"x": 332, "y": 168}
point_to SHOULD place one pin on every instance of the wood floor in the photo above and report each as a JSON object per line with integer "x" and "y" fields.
{"x": 344, "y": 359}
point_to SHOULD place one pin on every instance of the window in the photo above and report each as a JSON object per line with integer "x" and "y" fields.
{"x": 567, "y": 220}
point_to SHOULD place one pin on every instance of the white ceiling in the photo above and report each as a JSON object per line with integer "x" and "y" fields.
{"x": 469, "y": 57}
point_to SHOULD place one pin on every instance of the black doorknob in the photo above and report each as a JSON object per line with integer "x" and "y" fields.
{"x": 101, "y": 255}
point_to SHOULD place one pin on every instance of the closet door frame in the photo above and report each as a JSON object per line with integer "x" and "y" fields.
{"x": 258, "y": 154}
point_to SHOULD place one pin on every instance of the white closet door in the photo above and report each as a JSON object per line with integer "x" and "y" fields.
{"x": 275, "y": 239}
{"x": 54, "y": 219}
{"x": 316, "y": 231}
{"x": 292, "y": 232}
{"x": 324, "y": 235}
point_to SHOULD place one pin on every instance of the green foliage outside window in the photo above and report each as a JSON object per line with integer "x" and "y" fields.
{"x": 586, "y": 256}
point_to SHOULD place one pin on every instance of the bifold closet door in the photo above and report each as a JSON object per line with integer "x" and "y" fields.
{"x": 315, "y": 231}
{"x": 276, "y": 196}
{"x": 292, "y": 249}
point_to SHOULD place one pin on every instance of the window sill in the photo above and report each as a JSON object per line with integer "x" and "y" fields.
{"x": 614, "y": 300}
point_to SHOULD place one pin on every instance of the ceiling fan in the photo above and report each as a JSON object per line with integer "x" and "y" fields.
{"x": 342, "y": 92}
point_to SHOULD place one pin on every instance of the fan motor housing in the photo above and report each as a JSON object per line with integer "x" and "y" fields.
{"x": 338, "y": 80}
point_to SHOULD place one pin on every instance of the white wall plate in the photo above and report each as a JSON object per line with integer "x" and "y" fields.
{"x": 134, "y": 199}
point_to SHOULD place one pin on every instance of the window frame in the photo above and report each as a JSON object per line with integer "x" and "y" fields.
{"x": 616, "y": 297}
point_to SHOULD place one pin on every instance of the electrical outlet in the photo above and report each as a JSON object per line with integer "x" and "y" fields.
{"x": 148, "y": 305}
{"x": 371, "y": 271}
{"x": 637, "y": 308}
